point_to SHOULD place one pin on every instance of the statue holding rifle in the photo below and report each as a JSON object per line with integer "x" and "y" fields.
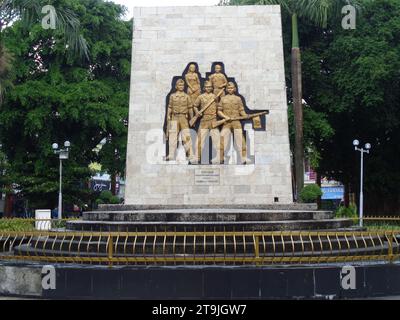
{"x": 219, "y": 106}
{"x": 231, "y": 107}
{"x": 207, "y": 102}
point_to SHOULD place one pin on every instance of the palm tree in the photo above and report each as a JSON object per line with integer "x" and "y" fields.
{"x": 30, "y": 11}
{"x": 5, "y": 68}
{"x": 318, "y": 12}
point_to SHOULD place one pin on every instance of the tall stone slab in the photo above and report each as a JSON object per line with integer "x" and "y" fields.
{"x": 248, "y": 41}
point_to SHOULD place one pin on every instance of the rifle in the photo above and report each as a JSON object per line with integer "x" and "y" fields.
{"x": 198, "y": 115}
{"x": 250, "y": 116}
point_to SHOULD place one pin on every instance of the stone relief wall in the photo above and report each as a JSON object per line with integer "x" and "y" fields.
{"x": 247, "y": 40}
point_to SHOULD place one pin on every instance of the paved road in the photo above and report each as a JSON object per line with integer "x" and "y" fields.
{"x": 386, "y": 298}
{"x": 13, "y": 298}
{"x": 381, "y": 298}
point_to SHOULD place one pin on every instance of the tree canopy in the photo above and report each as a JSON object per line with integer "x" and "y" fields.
{"x": 351, "y": 82}
{"x": 351, "y": 90}
{"x": 360, "y": 94}
{"x": 58, "y": 97}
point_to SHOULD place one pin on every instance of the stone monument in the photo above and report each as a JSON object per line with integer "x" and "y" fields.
{"x": 208, "y": 145}
{"x": 208, "y": 112}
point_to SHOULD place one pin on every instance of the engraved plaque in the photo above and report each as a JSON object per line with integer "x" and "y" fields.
{"x": 207, "y": 177}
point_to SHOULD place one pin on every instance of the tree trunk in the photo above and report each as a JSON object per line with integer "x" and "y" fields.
{"x": 346, "y": 194}
{"x": 114, "y": 184}
{"x": 8, "y": 206}
{"x": 319, "y": 200}
{"x": 297, "y": 107}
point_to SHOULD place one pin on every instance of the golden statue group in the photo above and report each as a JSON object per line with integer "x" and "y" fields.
{"x": 219, "y": 105}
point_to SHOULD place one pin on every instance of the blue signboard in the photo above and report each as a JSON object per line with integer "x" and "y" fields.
{"x": 100, "y": 185}
{"x": 333, "y": 193}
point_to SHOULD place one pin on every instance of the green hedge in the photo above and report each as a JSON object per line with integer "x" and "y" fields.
{"x": 344, "y": 212}
{"x": 16, "y": 225}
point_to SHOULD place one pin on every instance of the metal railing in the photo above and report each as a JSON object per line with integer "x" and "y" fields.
{"x": 51, "y": 244}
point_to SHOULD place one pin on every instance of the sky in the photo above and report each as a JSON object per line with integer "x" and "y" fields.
{"x": 158, "y": 3}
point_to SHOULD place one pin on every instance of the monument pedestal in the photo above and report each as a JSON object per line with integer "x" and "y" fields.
{"x": 228, "y": 218}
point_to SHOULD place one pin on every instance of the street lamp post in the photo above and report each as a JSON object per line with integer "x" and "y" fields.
{"x": 63, "y": 155}
{"x": 366, "y": 149}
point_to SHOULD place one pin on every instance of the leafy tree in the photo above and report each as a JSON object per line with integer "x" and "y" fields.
{"x": 319, "y": 13}
{"x": 351, "y": 88}
{"x": 5, "y": 70}
{"x": 113, "y": 156}
{"x": 58, "y": 97}
{"x": 317, "y": 129}
{"x": 361, "y": 97}
{"x": 351, "y": 77}
{"x": 30, "y": 13}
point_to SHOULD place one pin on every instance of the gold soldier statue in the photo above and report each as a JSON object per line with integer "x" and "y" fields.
{"x": 193, "y": 82}
{"x": 180, "y": 107}
{"x": 207, "y": 102}
{"x": 231, "y": 107}
{"x": 218, "y": 80}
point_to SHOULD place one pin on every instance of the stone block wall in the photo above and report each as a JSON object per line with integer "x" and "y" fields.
{"x": 248, "y": 40}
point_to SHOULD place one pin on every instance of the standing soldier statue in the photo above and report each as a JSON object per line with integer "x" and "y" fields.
{"x": 205, "y": 106}
{"x": 218, "y": 80}
{"x": 230, "y": 108}
{"x": 180, "y": 107}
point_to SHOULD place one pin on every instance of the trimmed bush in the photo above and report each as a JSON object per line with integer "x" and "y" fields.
{"x": 344, "y": 212}
{"x": 99, "y": 201}
{"x": 106, "y": 196}
{"x": 310, "y": 193}
{"x": 114, "y": 200}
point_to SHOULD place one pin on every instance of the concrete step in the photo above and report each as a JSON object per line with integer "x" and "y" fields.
{"x": 206, "y": 215}
{"x": 148, "y": 226}
{"x": 276, "y": 206}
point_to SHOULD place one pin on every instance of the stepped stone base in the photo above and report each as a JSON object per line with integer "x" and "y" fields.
{"x": 120, "y": 218}
{"x": 274, "y": 217}
{"x": 292, "y": 206}
{"x": 113, "y": 226}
